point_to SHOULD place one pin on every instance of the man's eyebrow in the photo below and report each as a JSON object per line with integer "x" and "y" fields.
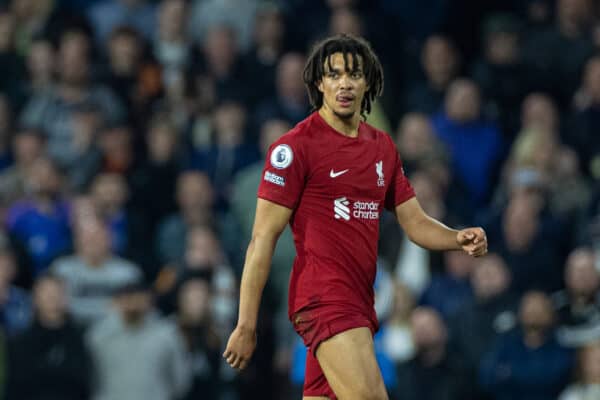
{"x": 334, "y": 69}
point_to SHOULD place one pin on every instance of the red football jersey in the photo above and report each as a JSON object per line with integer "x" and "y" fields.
{"x": 337, "y": 187}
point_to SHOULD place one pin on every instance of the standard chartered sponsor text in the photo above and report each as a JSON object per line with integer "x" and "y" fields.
{"x": 365, "y": 209}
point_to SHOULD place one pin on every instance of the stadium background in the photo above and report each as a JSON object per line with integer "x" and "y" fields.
{"x": 132, "y": 134}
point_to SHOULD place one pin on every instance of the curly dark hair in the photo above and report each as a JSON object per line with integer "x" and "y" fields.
{"x": 347, "y": 45}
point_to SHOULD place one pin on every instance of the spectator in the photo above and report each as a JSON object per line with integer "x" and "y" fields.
{"x": 528, "y": 363}
{"x": 203, "y": 343}
{"x": 137, "y": 354}
{"x": 239, "y": 15}
{"x": 53, "y": 110}
{"x": 11, "y": 65}
{"x": 578, "y": 305}
{"x": 195, "y": 199}
{"x": 40, "y": 222}
{"x": 417, "y": 142}
{"x": 587, "y": 384}
{"x": 345, "y": 20}
{"x": 109, "y": 193}
{"x": 133, "y": 79}
{"x": 478, "y": 324}
{"x": 15, "y": 304}
{"x": 203, "y": 255}
{"x": 155, "y": 176}
{"x": 137, "y": 14}
{"x": 290, "y": 102}
{"x": 42, "y": 18}
{"x": 268, "y": 44}
{"x": 528, "y": 239}
{"x": 585, "y": 117}
{"x": 117, "y": 149}
{"x": 433, "y": 362}
{"x": 555, "y": 168}
{"x": 540, "y": 112}
{"x": 397, "y": 338}
{"x": 5, "y": 131}
{"x": 41, "y": 66}
{"x": 172, "y": 48}
{"x": 230, "y": 152}
{"x": 475, "y": 145}
{"x": 500, "y": 73}
{"x": 49, "y": 360}
{"x": 440, "y": 62}
{"x": 221, "y": 62}
{"x": 451, "y": 290}
{"x": 27, "y": 146}
{"x": 543, "y": 50}
{"x": 93, "y": 272}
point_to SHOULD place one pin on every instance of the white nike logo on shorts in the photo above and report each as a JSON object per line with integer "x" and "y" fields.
{"x": 336, "y": 174}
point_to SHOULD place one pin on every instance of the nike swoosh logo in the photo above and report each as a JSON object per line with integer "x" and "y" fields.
{"x": 336, "y": 174}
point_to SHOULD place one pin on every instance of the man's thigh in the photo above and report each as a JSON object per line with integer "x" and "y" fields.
{"x": 349, "y": 364}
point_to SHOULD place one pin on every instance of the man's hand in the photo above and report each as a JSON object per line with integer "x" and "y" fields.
{"x": 473, "y": 241}
{"x": 240, "y": 347}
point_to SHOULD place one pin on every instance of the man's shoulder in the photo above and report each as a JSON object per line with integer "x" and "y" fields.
{"x": 303, "y": 130}
{"x": 374, "y": 132}
{"x": 123, "y": 266}
{"x": 67, "y": 264}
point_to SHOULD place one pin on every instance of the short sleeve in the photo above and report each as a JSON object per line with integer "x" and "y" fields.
{"x": 284, "y": 173}
{"x": 400, "y": 189}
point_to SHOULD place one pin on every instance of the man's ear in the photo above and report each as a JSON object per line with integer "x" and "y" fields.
{"x": 320, "y": 86}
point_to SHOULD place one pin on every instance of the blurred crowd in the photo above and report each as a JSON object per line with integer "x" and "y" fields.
{"x": 132, "y": 140}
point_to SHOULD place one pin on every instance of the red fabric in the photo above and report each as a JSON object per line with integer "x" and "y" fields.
{"x": 316, "y": 325}
{"x": 336, "y": 251}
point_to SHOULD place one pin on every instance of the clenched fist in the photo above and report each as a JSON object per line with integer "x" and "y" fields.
{"x": 473, "y": 241}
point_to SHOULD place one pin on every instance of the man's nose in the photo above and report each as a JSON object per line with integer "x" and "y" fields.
{"x": 345, "y": 82}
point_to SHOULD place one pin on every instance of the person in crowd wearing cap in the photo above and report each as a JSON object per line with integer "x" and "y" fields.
{"x": 137, "y": 354}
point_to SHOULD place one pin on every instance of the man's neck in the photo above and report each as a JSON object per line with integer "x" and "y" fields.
{"x": 72, "y": 93}
{"x": 534, "y": 338}
{"x": 52, "y": 321}
{"x": 95, "y": 261}
{"x": 346, "y": 126}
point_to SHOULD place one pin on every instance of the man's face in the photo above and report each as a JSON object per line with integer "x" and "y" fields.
{"x": 462, "y": 101}
{"x": 194, "y": 190}
{"x": 490, "y": 278}
{"x": 439, "y": 61}
{"x": 581, "y": 277}
{"x": 343, "y": 85}
{"x": 134, "y": 306}
{"x": 124, "y": 52}
{"x": 92, "y": 239}
{"x": 536, "y": 312}
{"x": 43, "y": 178}
{"x": 592, "y": 78}
{"x": 49, "y": 299}
{"x": 73, "y": 59}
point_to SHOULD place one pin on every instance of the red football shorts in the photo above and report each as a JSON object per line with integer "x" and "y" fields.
{"x": 316, "y": 324}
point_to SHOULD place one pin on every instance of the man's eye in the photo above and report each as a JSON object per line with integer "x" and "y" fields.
{"x": 357, "y": 75}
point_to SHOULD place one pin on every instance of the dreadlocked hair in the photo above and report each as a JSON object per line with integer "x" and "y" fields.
{"x": 347, "y": 45}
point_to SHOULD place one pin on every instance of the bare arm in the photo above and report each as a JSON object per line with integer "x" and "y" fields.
{"x": 269, "y": 222}
{"x": 431, "y": 234}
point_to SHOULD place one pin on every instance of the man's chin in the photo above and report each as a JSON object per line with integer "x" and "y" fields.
{"x": 344, "y": 114}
